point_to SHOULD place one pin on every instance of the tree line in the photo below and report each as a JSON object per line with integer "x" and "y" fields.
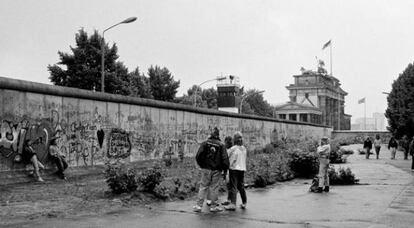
{"x": 81, "y": 68}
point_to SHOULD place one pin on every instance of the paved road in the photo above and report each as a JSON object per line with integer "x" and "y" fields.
{"x": 384, "y": 198}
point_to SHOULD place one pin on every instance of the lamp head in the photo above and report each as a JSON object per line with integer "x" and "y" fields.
{"x": 129, "y": 20}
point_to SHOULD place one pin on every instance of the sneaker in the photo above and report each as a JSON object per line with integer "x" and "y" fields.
{"x": 225, "y": 203}
{"x": 197, "y": 208}
{"x": 39, "y": 179}
{"x": 230, "y": 207}
{"x": 326, "y": 189}
{"x": 319, "y": 190}
{"x": 243, "y": 206}
{"x": 208, "y": 202}
{"x": 216, "y": 209}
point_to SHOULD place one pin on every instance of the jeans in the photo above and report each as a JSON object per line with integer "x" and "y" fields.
{"x": 210, "y": 181}
{"x": 393, "y": 151}
{"x": 236, "y": 184}
{"x": 323, "y": 172}
{"x": 61, "y": 164}
{"x": 377, "y": 150}
{"x": 367, "y": 152}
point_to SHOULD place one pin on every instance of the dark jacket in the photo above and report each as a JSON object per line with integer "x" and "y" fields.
{"x": 212, "y": 155}
{"x": 392, "y": 143}
{"x": 368, "y": 144}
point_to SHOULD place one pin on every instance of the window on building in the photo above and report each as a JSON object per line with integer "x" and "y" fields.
{"x": 303, "y": 117}
{"x": 282, "y": 116}
{"x": 292, "y": 117}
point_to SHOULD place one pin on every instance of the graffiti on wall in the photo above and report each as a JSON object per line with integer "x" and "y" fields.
{"x": 119, "y": 145}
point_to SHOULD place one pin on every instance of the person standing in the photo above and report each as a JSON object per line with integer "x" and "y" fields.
{"x": 392, "y": 146}
{"x": 323, "y": 151}
{"x": 411, "y": 151}
{"x": 377, "y": 145}
{"x": 213, "y": 160}
{"x": 367, "y": 147}
{"x": 237, "y": 156}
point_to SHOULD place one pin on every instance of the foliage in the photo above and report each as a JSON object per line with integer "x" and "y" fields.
{"x": 120, "y": 178}
{"x": 304, "y": 164}
{"x": 139, "y": 86}
{"x": 151, "y": 177}
{"x": 162, "y": 83}
{"x": 254, "y": 103}
{"x": 206, "y": 98}
{"x": 400, "y": 110}
{"x": 342, "y": 176}
{"x": 82, "y": 68}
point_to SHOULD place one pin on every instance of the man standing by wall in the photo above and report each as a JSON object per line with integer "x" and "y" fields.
{"x": 213, "y": 160}
{"x": 323, "y": 152}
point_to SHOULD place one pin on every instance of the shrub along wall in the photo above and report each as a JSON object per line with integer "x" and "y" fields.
{"x": 94, "y": 127}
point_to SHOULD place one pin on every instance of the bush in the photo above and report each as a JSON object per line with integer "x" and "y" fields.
{"x": 304, "y": 164}
{"x": 151, "y": 177}
{"x": 120, "y": 178}
{"x": 342, "y": 176}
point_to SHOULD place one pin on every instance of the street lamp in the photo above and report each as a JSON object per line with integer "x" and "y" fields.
{"x": 248, "y": 95}
{"x": 128, "y": 20}
{"x": 196, "y": 89}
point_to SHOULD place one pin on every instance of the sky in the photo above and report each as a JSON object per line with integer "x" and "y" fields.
{"x": 264, "y": 42}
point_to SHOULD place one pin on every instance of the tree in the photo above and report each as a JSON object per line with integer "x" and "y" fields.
{"x": 206, "y": 98}
{"x": 162, "y": 83}
{"x": 400, "y": 110}
{"x": 82, "y": 68}
{"x": 255, "y": 103}
{"x": 139, "y": 86}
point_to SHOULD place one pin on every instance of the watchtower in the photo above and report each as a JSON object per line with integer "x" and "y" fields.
{"x": 228, "y": 99}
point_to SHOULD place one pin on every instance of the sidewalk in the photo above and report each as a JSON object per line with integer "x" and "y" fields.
{"x": 384, "y": 198}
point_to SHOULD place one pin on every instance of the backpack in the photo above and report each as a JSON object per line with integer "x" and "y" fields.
{"x": 207, "y": 155}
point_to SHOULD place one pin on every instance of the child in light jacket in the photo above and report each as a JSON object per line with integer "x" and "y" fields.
{"x": 237, "y": 157}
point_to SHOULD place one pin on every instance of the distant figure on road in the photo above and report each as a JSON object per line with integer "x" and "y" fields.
{"x": 411, "y": 151}
{"x": 323, "y": 151}
{"x": 377, "y": 145}
{"x": 405, "y": 144}
{"x": 392, "y": 146}
{"x": 237, "y": 156}
{"x": 213, "y": 160}
{"x": 367, "y": 147}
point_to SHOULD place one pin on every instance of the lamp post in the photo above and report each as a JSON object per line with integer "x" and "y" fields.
{"x": 128, "y": 20}
{"x": 248, "y": 95}
{"x": 196, "y": 89}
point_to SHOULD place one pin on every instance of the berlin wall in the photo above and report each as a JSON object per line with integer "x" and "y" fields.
{"x": 94, "y": 127}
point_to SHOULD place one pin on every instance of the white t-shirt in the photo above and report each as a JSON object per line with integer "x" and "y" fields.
{"x": 237, "y": 157}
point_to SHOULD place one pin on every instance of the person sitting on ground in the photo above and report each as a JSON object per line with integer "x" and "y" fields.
{"x": 323, "y": 151}
{"x": 237, "y": 158}
{"x": 392, "y": 146}
{"x": 29, "y": 156}
{"x": 367, "y": 147}
{"x": 212, "y": 159}
{"x": 58, "y": 158}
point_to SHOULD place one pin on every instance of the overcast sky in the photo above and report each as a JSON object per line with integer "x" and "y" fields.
{"x": 264, "y": 42}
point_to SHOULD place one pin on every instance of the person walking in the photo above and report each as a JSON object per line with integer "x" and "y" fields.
{"x": 323, "y": 151}
{"x": 367, "y": 147}
{"x": 237, "y": 156}
{"x": 405, "y": 144}
{"x": 377, "y": 145}
{"x": 213, "y": 160}
{"x": 392, "y": 146}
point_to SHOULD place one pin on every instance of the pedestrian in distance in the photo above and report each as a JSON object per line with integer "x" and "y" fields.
{"x": 237, "y": 157}
{"x": 377, "y": 145}
{"x": 213, "y": 160}
{"x": 323, "y": 151}
{"x": 367, "y": 147}
{"x": 58, "y": 158}
{"x": 392, "y": 146}
{"x": 411, "y": 151}
{"x": 405, "y": 144}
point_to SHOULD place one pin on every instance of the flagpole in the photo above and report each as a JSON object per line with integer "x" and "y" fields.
{"x": 330, "y": 51}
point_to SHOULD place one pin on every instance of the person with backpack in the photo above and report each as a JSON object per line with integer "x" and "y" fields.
{"x": 323, "y": 151}
{"x": 392, "y": 145}
{"x": 213, "y": 160}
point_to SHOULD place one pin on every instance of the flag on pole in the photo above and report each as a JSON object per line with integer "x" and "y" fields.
{"x": 326, "y": 45}
{"x": 360, "y": 101}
